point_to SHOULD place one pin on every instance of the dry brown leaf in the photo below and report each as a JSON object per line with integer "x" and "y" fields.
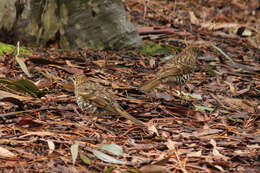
{"x": 193, "y": 18}
{"x": 39, "y": 133}
{"x": 152, "y": 128}
{"x": 152, "y": 62}
{"x": 239, "y": 103}
{"x": 194, "y": 154}
{"x": 51, "y": 146}
{"x": 206, "y": 132}
{"x": 4, "y": 94}
{"x": 142, "y": 63}
{"x": 170, "y": 144}
{"x": 215, "y": 26}
{"x": 153, "y": 169}
{"x": 232, "y": 88}
{"x": 6, "y": 153}
{"x": 215, "y": 151}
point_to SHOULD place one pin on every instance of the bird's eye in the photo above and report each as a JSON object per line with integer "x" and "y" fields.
{"x": 75, "y": 77}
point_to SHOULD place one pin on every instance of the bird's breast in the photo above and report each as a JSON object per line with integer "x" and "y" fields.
{"x": 85, "y": 105}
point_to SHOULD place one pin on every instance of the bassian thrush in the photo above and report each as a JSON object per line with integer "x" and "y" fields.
{"x": 95, "y": 99}
{"x": 176, "y": 71}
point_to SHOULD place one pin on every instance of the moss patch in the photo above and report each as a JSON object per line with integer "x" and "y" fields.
{"x": 8, "y": 48}
{"x": 151, "y": 48}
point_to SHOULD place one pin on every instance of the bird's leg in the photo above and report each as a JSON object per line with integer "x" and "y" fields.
{"x": 180, "y": 88}
{"x": 185, "y": 96}
{"x": 189, "y": 88}
{"x": 181, "y": 95}
{"x": 171, "y": 94}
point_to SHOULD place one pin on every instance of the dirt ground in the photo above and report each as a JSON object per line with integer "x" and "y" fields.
{"x": 212, "y": 126}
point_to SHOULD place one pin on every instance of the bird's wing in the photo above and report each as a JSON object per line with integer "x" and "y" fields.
{"x": 175, "y": 70}
{"x": 102, "y": 99}
{"x": 98, "y": 98}
{"x": 170, "y": 71}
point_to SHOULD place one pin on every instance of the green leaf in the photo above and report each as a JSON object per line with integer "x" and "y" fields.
{"x": 107, "y": 158}
{"x": 235, "y": 120}
{"x": 4, "y": 80}
{"x": 85, "y": 159}
{"x": 113, "y": 148}
{"x": 24, "y": 86}
{"x": 110, "y": 169}
{"x": 210, "y": 70}
{"x": 134, "y": 171}
{"x": 74, "y": 149}
{"x": 205, "y": 108}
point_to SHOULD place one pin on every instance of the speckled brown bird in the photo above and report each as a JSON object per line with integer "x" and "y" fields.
{"x": 176, "y": 71}
{"x": 95, "y": 99}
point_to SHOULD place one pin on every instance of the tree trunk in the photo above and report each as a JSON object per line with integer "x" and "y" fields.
{"x": 73, "y": 24}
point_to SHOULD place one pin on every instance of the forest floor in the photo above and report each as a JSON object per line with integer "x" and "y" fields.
{"x": 212, "y": 126}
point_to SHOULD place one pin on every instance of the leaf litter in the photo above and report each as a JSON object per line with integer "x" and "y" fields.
{"x": 212, "y": 126}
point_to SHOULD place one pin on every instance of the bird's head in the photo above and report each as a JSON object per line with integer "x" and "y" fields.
{"x": 78, "y": 79}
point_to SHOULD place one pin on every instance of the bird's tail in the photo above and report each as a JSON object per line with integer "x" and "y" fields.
{"x": 127, "y": 115}
{"x": 149, "y": 85}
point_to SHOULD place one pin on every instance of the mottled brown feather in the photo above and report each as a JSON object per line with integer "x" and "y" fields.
{"x": 96, "y": 100}
{"x": 176, "y": 71}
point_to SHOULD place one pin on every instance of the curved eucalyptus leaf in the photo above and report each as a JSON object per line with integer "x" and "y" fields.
{"x": 113, "y": 148}
{"x": 107, "y": 158}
